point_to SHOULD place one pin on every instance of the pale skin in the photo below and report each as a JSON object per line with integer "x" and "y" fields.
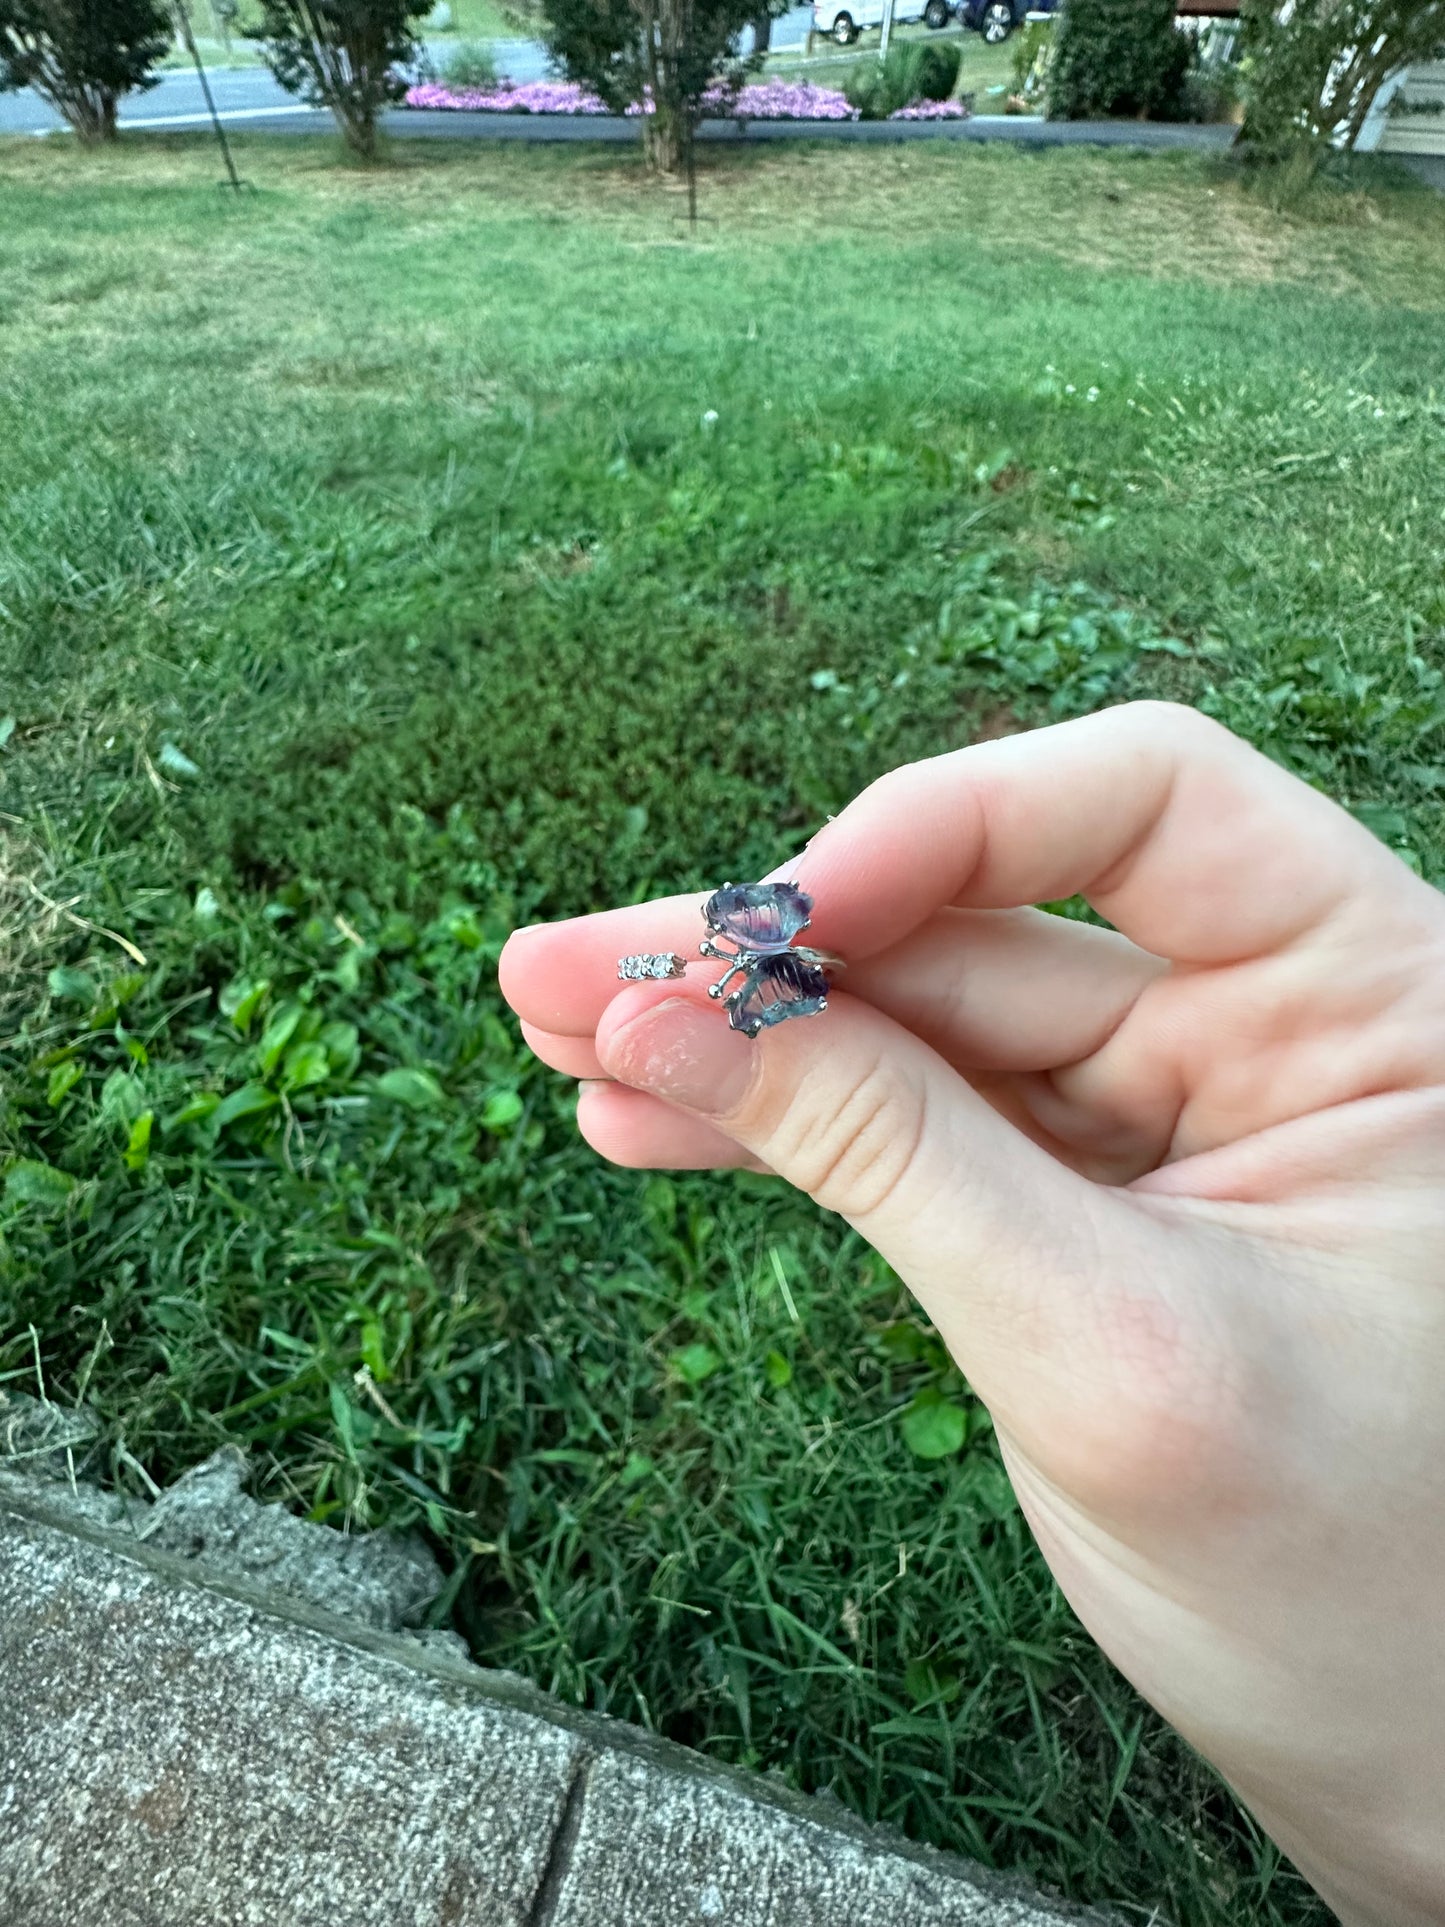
{"x": 1174, "y": 1195}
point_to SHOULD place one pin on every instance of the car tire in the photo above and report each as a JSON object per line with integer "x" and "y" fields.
{"x": 996, "y": 22}
{"x": 936, "y": 14}
{"x": 844, "y": 31}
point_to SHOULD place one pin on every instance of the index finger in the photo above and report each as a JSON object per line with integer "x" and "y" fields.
{"x": 1185, "y": 838}
{"x": 1190, "y": 842}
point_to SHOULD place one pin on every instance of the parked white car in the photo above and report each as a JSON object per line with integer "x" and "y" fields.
{"x": 844, "y": 20}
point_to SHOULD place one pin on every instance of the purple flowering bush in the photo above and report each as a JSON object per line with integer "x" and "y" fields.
{"x": 790, "y": 100}
{"x": 766, "y": 100}
{"x": 528, "y": 97}
{"x": 932, "y": 110}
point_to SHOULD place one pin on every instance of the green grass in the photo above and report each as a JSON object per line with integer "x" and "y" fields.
{"x": 482, "y": 20}
{"x": 372, "y": 578}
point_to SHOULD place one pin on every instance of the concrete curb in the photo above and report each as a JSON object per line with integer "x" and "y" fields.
{"x": 610, "y": 130}
{"x": 182, "y": 1745}
{"x": 1012, "y": 130}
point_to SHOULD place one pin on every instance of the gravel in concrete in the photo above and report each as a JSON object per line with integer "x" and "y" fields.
{"x": 682, "y": 1851}
{"x": 188, "y": 1739}
{"x": 170, "y": 1757}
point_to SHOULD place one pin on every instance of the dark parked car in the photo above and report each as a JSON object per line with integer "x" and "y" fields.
{"x": 996, "y": 19}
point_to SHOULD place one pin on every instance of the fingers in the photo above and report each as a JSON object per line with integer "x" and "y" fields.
{"x": 1198, "y": 848}
{"x": 573, "y": 1056}
{"x": 990, "y": 990}
{"x": 1007, "y": 990}
{"x": 1193, "y": 844}
{"x": 637, "y": 1130}
{"x": 562, "y": 976}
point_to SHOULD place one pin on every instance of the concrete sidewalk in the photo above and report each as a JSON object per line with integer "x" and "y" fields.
{"x": 190, "y": 1738}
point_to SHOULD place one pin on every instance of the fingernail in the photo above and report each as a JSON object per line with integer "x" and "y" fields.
{"x": 682, "y": 1053}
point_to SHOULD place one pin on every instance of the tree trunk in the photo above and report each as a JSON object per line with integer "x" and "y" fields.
{"x": 90, "y": 111}
{"x": 357, "y": 120}
{"x": 762, "y": 33}
{"x": 662, "y": 139}
{"x": 664, "y": 131}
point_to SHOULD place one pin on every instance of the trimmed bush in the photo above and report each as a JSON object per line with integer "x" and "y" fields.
{"x": 82, "y": 59}
{"x": 1118, "y": 59}
{"x": 343, "y": 54}
{"x": 472, "y": 65}
{"x": 914, "y": 70}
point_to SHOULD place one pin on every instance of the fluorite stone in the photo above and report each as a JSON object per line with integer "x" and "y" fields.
{"x": 778, "y": 987}
{"x": 758, "y": 916}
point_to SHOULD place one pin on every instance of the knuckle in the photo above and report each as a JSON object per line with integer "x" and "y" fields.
{"x": 1177, "y": 725}
{"x": 851, "y": 1151}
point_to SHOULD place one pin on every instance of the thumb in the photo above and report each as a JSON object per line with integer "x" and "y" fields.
{"x": 983, "y": 1225}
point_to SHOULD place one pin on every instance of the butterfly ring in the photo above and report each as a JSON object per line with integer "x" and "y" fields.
{"x": 750, "y": 927}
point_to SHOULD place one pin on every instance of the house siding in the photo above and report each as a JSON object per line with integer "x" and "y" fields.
{"x": 1417, "y": 133}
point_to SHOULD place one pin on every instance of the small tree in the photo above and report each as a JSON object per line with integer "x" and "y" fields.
{"x": 677, "y": 57}
{"x": 82, "y": 56}
{"x": 1312, "y": 68}
{"x": 1117, "y": 57}
{"x": 343, "y": 54}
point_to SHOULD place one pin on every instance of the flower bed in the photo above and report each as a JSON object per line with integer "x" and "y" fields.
{"x": 766, "y": 100}
{"x": 932, "y": 110}
{"x": 785, "y": 100}
{"x": 530, "y": 97}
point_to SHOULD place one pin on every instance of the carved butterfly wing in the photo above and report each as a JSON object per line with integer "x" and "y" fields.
{"x": 776, "y": 988}
{"x": 758, "y": 916}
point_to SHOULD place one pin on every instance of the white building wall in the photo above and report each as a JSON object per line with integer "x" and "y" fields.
{"x": 1404, "y": 133}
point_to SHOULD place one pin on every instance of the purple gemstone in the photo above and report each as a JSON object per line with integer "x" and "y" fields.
{"x": 778, "y": 987}
{"x": 758, "y": 916}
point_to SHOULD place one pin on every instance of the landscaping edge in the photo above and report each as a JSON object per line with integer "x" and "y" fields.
{"x": 188, "y": 1737}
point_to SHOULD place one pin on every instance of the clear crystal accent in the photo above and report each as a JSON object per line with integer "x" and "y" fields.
{"x": 644, "y": 969}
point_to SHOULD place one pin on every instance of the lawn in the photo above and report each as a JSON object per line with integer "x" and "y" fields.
{"x": 472, "y": 20}
{"x": 388, "y": 557}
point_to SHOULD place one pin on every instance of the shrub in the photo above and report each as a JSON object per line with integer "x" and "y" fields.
{"x": 913, "y": 70}
{"x": 936, "y": 66}
{"x": 472, "y": 65}
{"x": 343, "y": 54}
{"x": 82, "y": 58}
{"x": 1311, "y": 77}
{"x": 1117, "y": 58}
{"x": 678, "y": 57}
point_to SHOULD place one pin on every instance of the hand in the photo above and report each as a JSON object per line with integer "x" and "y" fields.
{"x": 1173, "y": 1193}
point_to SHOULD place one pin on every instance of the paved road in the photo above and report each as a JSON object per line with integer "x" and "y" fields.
{"x": 983, "y": 127}
{"x": 250, "y": 93}
{"x": 242, "y": 94}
